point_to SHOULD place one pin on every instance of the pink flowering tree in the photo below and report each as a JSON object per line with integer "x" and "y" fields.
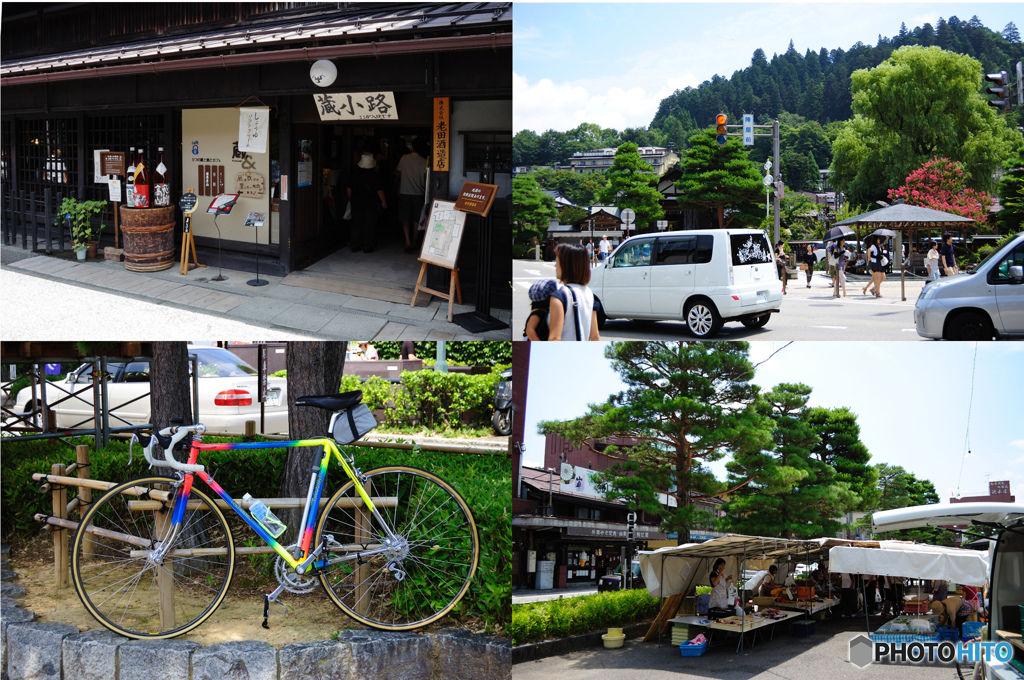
{"x": 939, "y": 184}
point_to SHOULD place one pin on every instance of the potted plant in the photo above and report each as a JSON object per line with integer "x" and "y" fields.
{"x": 84, "y": 235}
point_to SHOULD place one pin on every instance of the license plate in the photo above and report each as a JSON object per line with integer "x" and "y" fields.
{"x": 273, "y": 398}
{"x": 762, "y": 296}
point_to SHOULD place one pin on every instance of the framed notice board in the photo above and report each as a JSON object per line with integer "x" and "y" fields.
{"x": 444, "y": 234}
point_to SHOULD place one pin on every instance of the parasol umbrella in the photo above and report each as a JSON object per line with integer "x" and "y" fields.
{"x": 838, "y": 233}
{"x": 888, "y": 233}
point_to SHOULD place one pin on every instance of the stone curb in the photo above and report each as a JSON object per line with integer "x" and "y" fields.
{"x": 574, "y": 643}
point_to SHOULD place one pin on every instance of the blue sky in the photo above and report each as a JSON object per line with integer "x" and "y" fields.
{"x": 912, "y": 400}
{"x": 612, "y": 63}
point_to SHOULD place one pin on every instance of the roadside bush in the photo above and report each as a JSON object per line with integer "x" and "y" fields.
{"x": 482, "y": 480}
{"x": 573, "y": 616}
{"x": 457, "y": 353}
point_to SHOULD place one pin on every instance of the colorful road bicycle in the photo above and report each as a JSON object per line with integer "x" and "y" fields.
{"x": 395, "y": 547}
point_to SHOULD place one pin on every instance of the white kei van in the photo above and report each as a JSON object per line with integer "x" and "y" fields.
{"x": 703, "y": 278}
{"x": 1006, "y": 560}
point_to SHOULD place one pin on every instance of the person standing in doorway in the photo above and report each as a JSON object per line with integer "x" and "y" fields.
{"x": 412, "y": 182}
{"x": 367, "y": 197}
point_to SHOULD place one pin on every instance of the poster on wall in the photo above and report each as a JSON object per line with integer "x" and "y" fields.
{"x": 441, "y": 243}
{"x": 212, "y": 160}
{"x": 253, "y": 129}
{"x": 305, "y": 169}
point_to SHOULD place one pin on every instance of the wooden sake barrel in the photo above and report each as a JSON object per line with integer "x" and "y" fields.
{"x": 148, "y": 238}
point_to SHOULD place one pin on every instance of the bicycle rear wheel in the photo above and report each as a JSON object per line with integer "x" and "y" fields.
{"x": 117, "y": 576}
{"x": 436, "y": 553}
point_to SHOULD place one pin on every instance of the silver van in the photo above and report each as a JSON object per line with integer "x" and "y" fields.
{"x": 703, "y": 278}
{"x": 1006, "y": 559}
{"x": 977, "y": 306}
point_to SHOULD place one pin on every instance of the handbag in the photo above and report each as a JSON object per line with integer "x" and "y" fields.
{"x": 803, "y": 266}
{"x": 884, "y": 262}
{"x": 348, "y": 211}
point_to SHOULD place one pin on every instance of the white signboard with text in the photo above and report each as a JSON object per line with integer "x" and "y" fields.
{"x": 356, "y": 106}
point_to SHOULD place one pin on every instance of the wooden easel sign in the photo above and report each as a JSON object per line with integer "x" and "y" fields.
{"x": 441, "y": 247}
{"x": 188, "y": 205}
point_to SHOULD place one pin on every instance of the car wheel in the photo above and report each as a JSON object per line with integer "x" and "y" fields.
{"x": 702, "y": 319}
{"x": 969, "y": 326}
{"x": 757, "y": 321}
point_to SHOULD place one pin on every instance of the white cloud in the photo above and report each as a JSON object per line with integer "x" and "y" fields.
{"x": 1019, "y": 443}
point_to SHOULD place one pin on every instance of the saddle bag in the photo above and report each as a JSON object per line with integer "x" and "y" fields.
{"x": 351, "y": 424}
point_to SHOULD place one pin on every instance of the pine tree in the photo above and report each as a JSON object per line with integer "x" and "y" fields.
{"x": 630, "y": 185}
{"x": 1010, "y": 218}
{"x": 1011, "y": 34}
{"x": 720, "y": 178}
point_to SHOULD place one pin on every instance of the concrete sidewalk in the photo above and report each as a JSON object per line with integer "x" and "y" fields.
{"x": 291, "y": 309}
{"x": 530, "y": 596}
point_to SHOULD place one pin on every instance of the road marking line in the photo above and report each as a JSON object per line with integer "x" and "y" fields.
{"x": 838, "y": 328}
{"x": 523, "y": 284}
{"x": 909, "y": 330}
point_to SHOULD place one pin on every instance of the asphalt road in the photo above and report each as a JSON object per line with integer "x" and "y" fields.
{"x": 807, "y": 314}
{"x": 822, "y": 655}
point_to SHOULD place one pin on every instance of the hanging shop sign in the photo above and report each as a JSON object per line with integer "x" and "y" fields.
{"x": 476, "y": 198}
{"x": 253, "y": 129}
{"x": 441, "y": 135}
{"x": 250, "y": 184}
{"x": 357, "y": 106}
{"x": 616, "y": 533}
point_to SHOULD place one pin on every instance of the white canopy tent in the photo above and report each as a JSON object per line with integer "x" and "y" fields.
{"x": 899, "y": 558}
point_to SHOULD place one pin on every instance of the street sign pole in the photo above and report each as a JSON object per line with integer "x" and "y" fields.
{"x": 778, "y": 168}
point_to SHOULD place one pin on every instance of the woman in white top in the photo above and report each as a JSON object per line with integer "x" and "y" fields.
{"x": 719, "y": 585}
{"x": 932, "y": 261}
{"x": 572, "y": 315}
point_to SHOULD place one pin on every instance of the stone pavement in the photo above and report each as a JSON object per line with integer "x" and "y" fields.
{"x": 317, "y": 313}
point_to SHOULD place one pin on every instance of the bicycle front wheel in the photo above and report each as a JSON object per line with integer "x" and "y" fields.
{"x": 122, "y": 579}
{"x": 426, "y": 569}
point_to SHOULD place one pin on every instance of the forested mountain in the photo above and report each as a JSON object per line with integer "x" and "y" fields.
{"x": 812, "y": 86}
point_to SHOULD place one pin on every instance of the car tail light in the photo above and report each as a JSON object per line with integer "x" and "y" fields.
{"x": 735, "y": 297}
{"x": 233, "y": 398}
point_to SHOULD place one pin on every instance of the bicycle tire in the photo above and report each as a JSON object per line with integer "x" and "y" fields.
{"x": 122, "y": 592}
{"x": 427, "y": 511}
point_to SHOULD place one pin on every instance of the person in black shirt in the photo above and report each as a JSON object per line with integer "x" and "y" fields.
{"x": 947, "y": 257}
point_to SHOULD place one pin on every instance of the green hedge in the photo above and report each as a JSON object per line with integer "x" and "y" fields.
{"x": 474, "y": 353}
{"x": 482, "y": 480}
{"x": 572, "y": 616}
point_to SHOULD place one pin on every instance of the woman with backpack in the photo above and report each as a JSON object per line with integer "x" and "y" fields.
{"x": 572, "y": 313}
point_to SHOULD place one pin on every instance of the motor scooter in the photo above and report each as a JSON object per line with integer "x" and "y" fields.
{"x": 502, "y": 420}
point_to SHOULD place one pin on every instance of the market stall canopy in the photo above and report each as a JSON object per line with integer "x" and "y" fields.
{"x": 906, "y": 216}
{"x": 913, "y": 560}
{"x": 677, "y": 569}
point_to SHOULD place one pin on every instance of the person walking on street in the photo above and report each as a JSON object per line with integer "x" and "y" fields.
{"x": 810, "y": 259}
{"x": 572, "y": 313}
{"x": 605, "y": 247}
{"x": 590, "y": 252}
{"x": 947, "y": 256}
{"x": 780, "y": 263}
{"x": 875, "y": 265}
{"x": 842, "y": 258}
{"x": 932, "y": 262}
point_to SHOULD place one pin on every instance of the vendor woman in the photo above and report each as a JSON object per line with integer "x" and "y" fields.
{"x": 768, "y": 584}
{"x": 719, "y": 585}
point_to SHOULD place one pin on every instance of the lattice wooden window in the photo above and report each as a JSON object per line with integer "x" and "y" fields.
{"x": 119, "y": 133}
{"x": 47, "y": 154}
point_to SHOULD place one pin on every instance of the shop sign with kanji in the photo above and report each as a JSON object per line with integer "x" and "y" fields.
{"x": 476, "y": 198}
{"x": 356, "y": 106}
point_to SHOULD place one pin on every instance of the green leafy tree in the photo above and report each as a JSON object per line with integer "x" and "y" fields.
{"x": 839, "y": 446}
{"x": 796, "y": 215}
{"x": 1010, "y": 219}
{"x": 796, "y": 496}
{"x": 686, "y": 404}
{"x": 898, "y": 488}
{"x": 570, "y": 214}
{"x": 721, "y": 178}
{"x": 526, "y": 148}
{"x": 580, "y": 188}
{"x": 630, "y": 185}
{"x": 532, "y": 207}
{"x": 919, "y": 103}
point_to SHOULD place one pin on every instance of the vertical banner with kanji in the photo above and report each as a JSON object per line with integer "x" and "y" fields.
{"x": 441, "y": 143}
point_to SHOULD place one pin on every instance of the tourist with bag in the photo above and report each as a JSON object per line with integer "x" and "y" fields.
{"x": 947, "y": 256}
{"x": 780, "y": 263}
{"x": 572, "y": 312}
{"x": 809, "y": 259}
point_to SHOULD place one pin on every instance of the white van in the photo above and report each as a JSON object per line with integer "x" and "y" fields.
{"x": 703, "y": 278}
{"x": 988, "y": 301}
{"x": 1006, "y": 559}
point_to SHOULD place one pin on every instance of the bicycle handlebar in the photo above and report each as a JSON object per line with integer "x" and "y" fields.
{"x": 168, "y": 438}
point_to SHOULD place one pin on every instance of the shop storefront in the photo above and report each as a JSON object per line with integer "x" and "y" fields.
{"x": 233, "y": 96}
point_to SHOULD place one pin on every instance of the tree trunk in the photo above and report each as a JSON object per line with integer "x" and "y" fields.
{"x": 172, "y": 397}
{"x": 314, "y": 368}
{"x": 683, "y": 493}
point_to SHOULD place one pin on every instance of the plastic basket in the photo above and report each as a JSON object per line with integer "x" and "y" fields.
{"x": 972, "y": 629}
{"x": 946, "y": 633}
{"x": 693, "y": 650}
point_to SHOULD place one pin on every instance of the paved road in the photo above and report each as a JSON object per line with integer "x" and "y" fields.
{"x": 807, "y": 314}
{"x": 70, "y": 314}
{"x": 530, "y": 596}
{"x": 822, "y": 655}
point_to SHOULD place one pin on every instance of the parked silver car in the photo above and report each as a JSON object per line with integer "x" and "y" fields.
{"x": 977, "y": 306}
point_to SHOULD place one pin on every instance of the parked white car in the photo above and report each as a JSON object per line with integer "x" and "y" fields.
{"x": 703, "y": 278}
{"x": 977, "y": 306}
{"x": 228, "y": 395}
{"x": 1006, "y": 560}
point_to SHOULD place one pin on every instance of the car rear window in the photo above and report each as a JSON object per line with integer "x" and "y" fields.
{"x": 750, "y": 249}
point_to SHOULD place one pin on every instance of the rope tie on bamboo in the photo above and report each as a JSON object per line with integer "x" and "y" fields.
{"x": 52, "y": 527}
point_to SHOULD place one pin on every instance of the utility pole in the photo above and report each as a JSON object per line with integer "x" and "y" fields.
{"x": 746, "y": 132}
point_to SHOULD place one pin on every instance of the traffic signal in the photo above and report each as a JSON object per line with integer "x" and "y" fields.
{"x": 720, "y": 121}
{"x": 1001, "y": 81}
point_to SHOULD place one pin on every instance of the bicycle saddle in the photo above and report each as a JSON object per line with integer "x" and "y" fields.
{"x": 332, "y": 402}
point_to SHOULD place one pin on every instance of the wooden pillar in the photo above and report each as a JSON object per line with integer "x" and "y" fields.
{"x": 84, "y": 492}
{"x": 250, "y": 430}
{"x": 61, "y": 567}
{"x": 165, "y": 573}
{"x": 362, "y": 573}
